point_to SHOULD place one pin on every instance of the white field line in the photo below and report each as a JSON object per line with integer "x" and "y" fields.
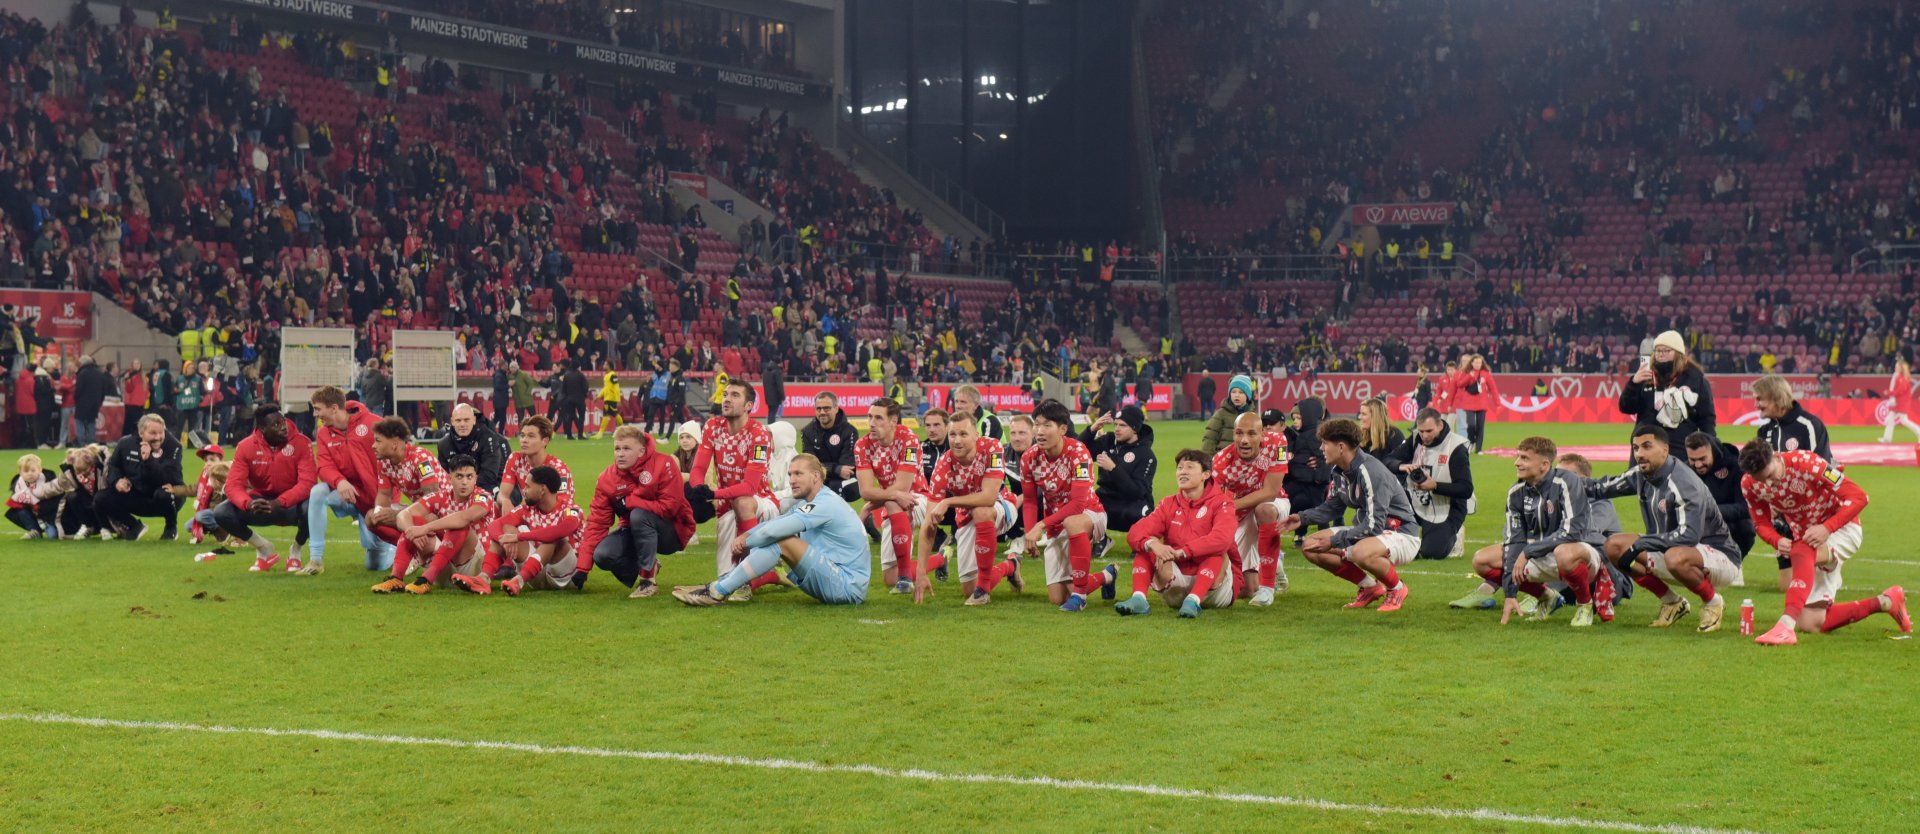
{"x": 914, "y": 774}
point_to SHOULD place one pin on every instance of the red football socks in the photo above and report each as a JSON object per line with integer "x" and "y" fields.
{"x": 403, "y": 553}
{"x": 1842, "y": 614}
{"x": 1080, "y": 562}
{"x": 1493, "y": 576}
{"x": 1533, "y": 589}
{"x": 901, "y": 527}
{"x": 1142, "y": 572}
{"x": 763, "y": 580}
{"x": 1803, "y": 565}
{"x": 1703, "y": 589}
{"x": 1653, "y": 584}
{"x": 1581, "y": 580}
{"x": 983, "y": 547}
{"x": 1350, "y": 572}
{"x": 1209, "y": 574}
{"x": 528, "y": 569}
{"x": 1269, "y": 548}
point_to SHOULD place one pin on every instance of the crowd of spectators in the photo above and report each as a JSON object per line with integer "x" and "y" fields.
{"x": 1585, "y": 122}
{"x": 663, "y": 27}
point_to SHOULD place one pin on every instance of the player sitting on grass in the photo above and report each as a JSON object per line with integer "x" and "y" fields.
{"x": 448, "y": 524}
{"x": 1367, "y": 552}
{"x": 272, "y": 475}
{"x": 406, "y": 472}
{"x": 1181, "y": 549}
{"x": 1546, "y": 536}
{"x": 1060, "y": 512}
{"x": 1822, "y": 509}
{"x": 819, "y": 537}
{"x": 1250, "y": 471}
{"x": 1686, "y": 540}
{"x": 537, "y": 544}
{"x": 968, "y": 479}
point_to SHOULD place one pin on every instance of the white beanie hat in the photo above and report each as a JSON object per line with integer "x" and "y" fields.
{"x": 1671, "y": 339}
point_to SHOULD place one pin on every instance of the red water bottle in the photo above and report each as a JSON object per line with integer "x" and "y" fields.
{"x": 1746, "y": 617}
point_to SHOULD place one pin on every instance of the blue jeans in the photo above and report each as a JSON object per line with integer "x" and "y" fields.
{"x": 67, "y": 433}
{"x": 324, "y": 499}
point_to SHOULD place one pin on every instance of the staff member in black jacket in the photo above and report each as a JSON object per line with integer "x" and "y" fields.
{"x": 1669, "y": 391}
{"x": 91, "y": 387}
{"x": 473, "y": 438}
{"x": 1719, "y": 466}
{"x": 1127, "y": 465}
{"x": 1788, "y": 426}
{"x": 830, "y": 438}
{"x": 140, "y": 470}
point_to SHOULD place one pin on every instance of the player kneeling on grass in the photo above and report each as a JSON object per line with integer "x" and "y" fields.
{"x": 887, "y": 464}
{"x": 1250, "y": 472}
{"x": 1182, "y": 548}
{"x": 448, "y": 524}
{"x": 1060, "y": 509}
{"x": 1367, "y": 552}
{"x": 536, "y": 546}
{"x": 267, "y": 486}
{"x": 1822, "y": 509}
{"x": 1686, "y": 540}
{"x": 1546, "y": 537}
{"x": 819, "y": 537}
{"x": 967, "y": 481}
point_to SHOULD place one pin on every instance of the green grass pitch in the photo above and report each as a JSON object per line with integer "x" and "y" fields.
{"x": 1396, "y": 720}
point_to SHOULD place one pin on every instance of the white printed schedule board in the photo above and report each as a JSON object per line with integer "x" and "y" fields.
{"x": 423, "y": 366}
{"x": 312, "y": 358}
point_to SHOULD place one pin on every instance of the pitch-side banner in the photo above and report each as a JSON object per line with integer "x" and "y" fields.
{"x": 1402, "y": 214}
{"x": 855, "y": 398}
{"x": 1343, "y": 393}
{"x": 1729, "y": 412}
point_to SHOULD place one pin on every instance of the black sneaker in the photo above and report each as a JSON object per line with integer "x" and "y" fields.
{"x": 172, "y": 532}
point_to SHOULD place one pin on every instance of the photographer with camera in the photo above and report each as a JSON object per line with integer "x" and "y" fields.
{"x": 1439, "y": 478}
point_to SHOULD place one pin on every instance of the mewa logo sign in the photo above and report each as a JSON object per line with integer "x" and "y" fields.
{"x": 1402, "y": 214}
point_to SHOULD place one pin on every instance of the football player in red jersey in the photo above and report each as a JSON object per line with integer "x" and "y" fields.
{"x": 738, "y": 448}
{"x": 538, "y": 544}
{"x": 1822, "y": 510}
{"x": 887, "y": 463}
{"x": 1250, "y": 471}
{"x": 535, "y": 433}
{"x": 969, "y": 478}
{"x": 406, "y": 472}
{"x": 1059, "y": 510}
{"x": 448, "y": 524}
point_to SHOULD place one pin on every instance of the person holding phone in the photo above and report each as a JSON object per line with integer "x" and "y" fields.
{"x": 1670, "y": 391}
{"x": 1474, "y": 394}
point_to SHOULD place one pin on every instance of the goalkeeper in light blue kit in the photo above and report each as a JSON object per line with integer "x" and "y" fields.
{"x": 817, "y": 535}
